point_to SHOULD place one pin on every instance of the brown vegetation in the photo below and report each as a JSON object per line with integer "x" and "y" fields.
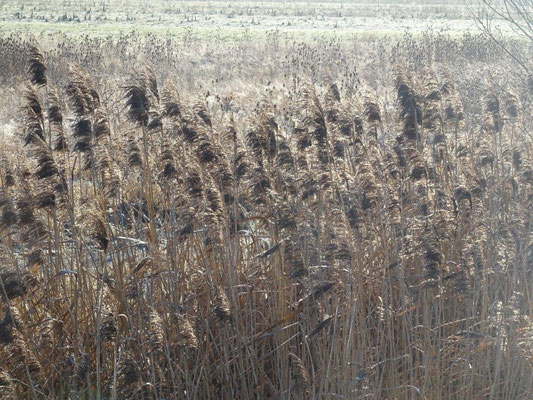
{"x": 322, "y": 244}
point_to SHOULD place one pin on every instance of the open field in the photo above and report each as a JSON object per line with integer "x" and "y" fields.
{"x": 358, "y": 17}
{"x": 201, "y": 201}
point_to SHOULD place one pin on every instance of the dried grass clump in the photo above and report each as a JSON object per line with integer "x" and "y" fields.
{"x": 318, "y": 241}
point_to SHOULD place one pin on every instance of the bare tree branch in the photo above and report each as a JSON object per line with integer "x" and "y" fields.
{"x": 518, "y": 14}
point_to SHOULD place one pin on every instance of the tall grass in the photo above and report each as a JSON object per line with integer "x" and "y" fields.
{"x": 317, "y": 245}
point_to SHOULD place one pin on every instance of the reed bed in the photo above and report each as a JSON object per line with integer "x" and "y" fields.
{"x": 317, "y": 243}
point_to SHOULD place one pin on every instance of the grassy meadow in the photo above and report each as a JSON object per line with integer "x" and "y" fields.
{"x": 264, "y": 200}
